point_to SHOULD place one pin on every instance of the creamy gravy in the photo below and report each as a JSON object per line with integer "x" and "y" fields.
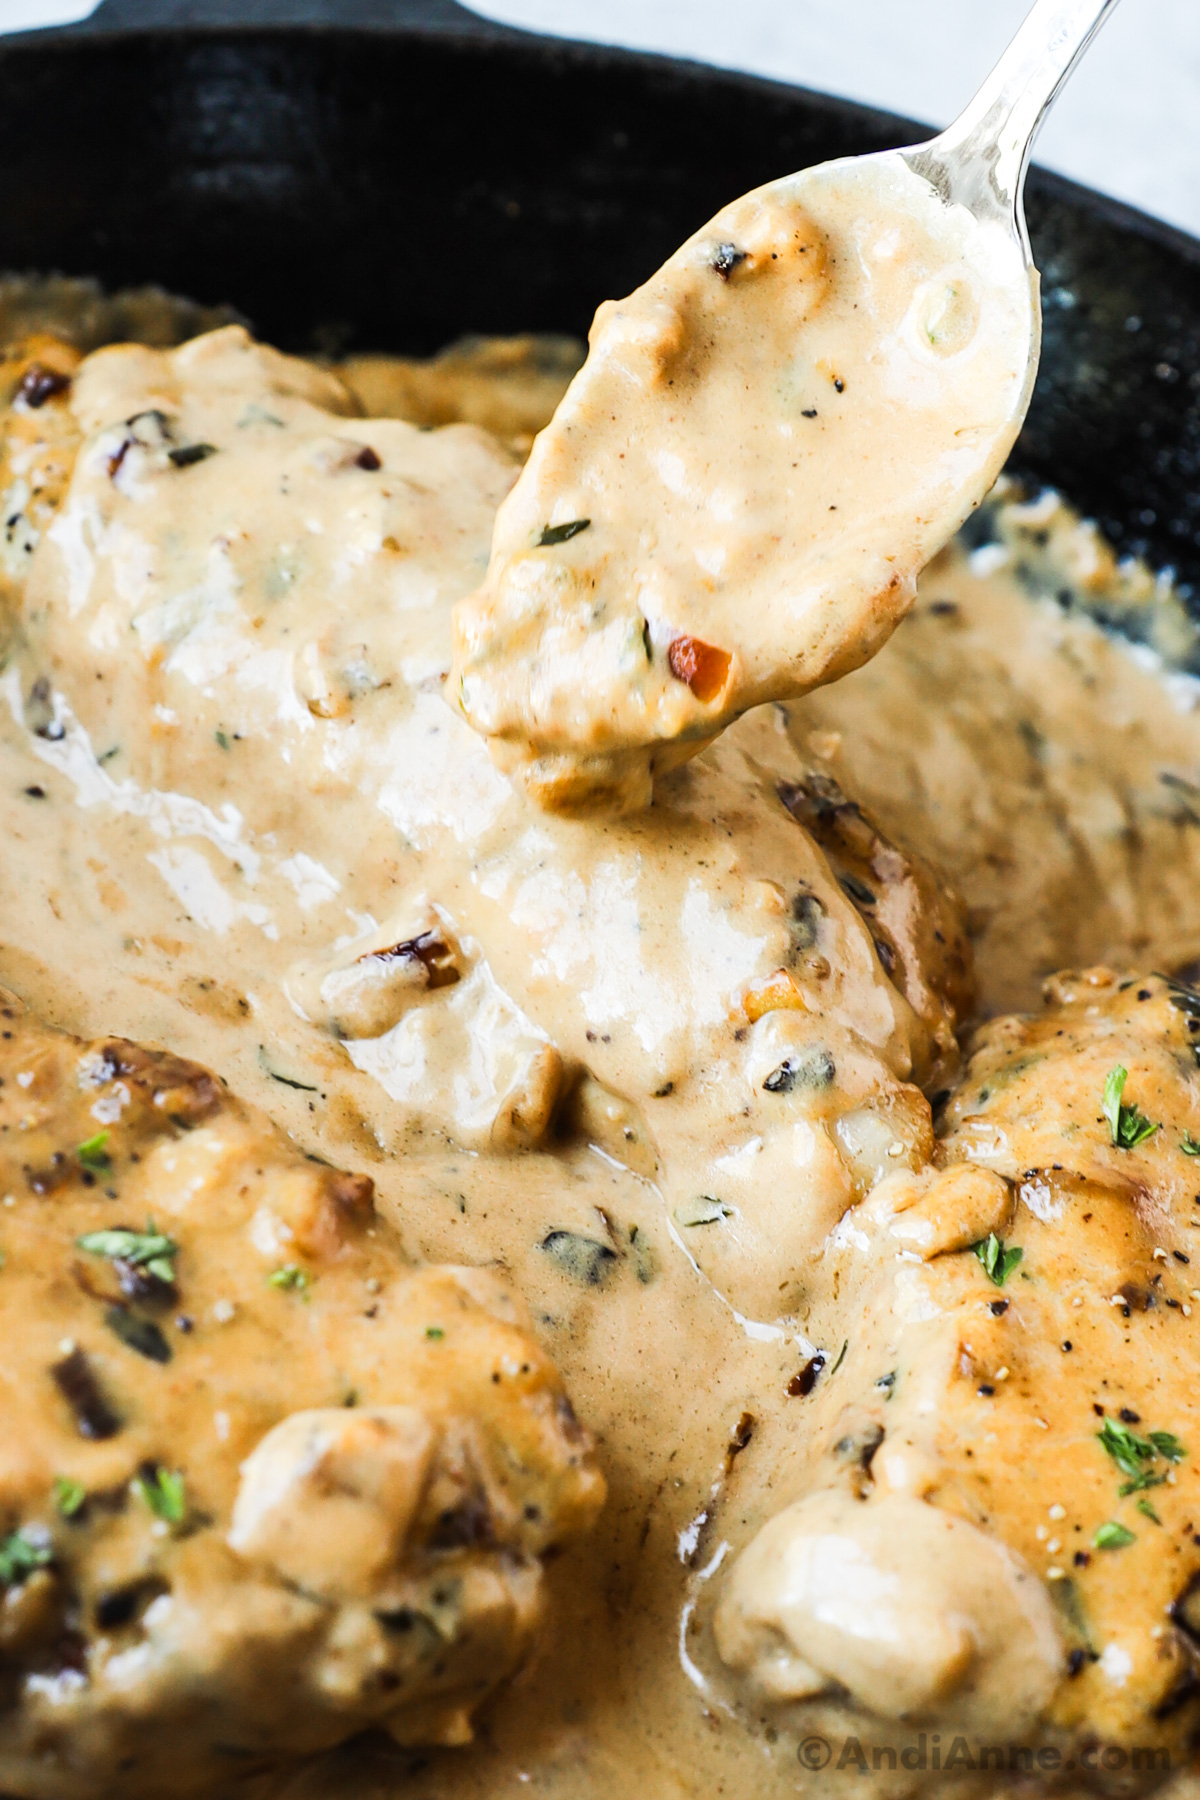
{"x": 256, "y": 1578}
{"x": 768, "y": 441}
{"x": 646, "y": 1065}
{"x": 1049, "y": 771}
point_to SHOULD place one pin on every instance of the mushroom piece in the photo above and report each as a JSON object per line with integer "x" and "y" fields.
{"x": 327, "y": 1497}
{"x": 906, "y": 1609}
{"x": 281, "y": 1488}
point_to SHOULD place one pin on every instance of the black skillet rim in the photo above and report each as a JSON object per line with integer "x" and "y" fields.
{"x": 1116, "y": 417}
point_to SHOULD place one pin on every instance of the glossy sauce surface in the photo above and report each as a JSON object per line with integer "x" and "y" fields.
{"x": 648, "y": 1065}
{"x": 768, "y": 441}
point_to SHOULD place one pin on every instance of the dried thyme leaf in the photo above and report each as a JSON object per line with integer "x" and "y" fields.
{"x": 1136, "y": 1456}
{"x": 304, "y": 1087}
{"x": 139, "y": 1334}
{"x": 584, "y": 1259}
{"x": 149, "y": 1249}
{"x": 562, "y": 534}
{"x": 187, "y": 454}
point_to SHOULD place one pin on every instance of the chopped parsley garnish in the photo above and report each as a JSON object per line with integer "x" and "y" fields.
{"x": 1113, "y": 1536}
{"x": 998, "y": 1262}
{"x": 69, "y": 1495}
{"x": 163, "y": 1492}
{"x": 148, "y": 1249}
{"x": 1190, "y": 1146}
{"x": 562, "y": 534}
{"x": 1148, "y": 1512}
{"x": 1136, "y": 1456}
{"x": 434, "y": 1333}
{"x": 20, "y": 1556}
{"x": 291, "y": 1278}
{"x": 1129, "y": 1126}
{"x": 93, "y": 1153}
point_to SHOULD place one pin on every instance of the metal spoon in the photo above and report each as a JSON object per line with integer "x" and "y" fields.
{"x": 768, "y": 442}
{"x": 980, "y": 161}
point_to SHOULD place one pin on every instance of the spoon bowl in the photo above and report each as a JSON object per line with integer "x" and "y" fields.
{"x": 768, "y": 441}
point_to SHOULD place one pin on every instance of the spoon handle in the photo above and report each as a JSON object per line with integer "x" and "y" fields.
{"x": 980, "y": 160}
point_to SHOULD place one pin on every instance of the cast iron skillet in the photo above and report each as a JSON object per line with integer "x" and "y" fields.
{"x": 390, "y": 174}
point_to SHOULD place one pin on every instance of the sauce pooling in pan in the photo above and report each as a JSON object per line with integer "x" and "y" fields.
{"x": 696, "y": 1081}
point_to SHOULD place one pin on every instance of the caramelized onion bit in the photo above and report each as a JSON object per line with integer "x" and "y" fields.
{"x": 430, "y": 950}
{"x": 778, "y": 993}
{"x": 701, "y": 665}
{"x": 39, "y": 384}
{"x": 354, "y": 1194}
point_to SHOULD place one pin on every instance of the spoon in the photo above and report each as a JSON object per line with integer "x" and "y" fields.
{"x": 767, "y": 443}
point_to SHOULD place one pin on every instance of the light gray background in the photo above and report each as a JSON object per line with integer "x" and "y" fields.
{"x": 1129, "y": 122}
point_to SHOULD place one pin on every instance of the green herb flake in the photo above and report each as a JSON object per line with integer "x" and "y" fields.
{"x": 222, "y": 739}
{"x": 434, "y": 1333}
{"x": 583, "y": 1259}
{"x": 149, "y": 1249}
{"x": 841, "y": 1356}
{"x": 562, "y": 534}
{"x": 1129, "y": 1451}
{"x": 998, "y": 1262}
{"x": 164, "y": 1493}
{"x": 1137, "y": 1484}
{"x": 291, "y": 1278}
{"x": 1135, "y": 1456}
{"x": 93, "y": 1153}
{"x": 1128, "y": 1125}
{"x": 1190, "y": 1146}
{"x": 69, "y": 1495}
{"x": 1148, "y": 1512}
{"x": 20, "y": 1555}
{"x": 1113, "y": 1536}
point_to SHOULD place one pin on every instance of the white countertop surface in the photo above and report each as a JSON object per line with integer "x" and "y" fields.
{"x": 1129, "y": 122}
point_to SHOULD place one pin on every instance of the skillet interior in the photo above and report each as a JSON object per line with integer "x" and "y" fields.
{"x": 393, "y": 187}
{"x": 392, "y": 173}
